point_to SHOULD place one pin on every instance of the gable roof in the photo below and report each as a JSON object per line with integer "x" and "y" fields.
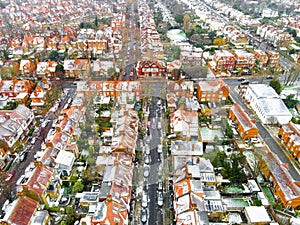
{"x": 22, "y": 211}
{"x": 38, "y": 179}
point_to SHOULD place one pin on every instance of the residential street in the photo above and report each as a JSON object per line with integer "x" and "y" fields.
{"x": 265, "y": 135}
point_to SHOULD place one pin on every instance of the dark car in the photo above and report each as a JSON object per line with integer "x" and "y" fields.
{"x": 270, "y": 77}
{"x": 241, "y": 79}
{"x": 245, "y": 82}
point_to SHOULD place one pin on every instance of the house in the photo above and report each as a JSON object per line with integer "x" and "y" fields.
{"x": 35, "y": 182}
{"x": 273, "y": 58}
{"x": 245, "y": 125}
{"x": 185, "y": 123}
{"x": 172, "y": 101}
{"x": 212, "y": 91}
{"x": 185, "y": 151}
{"x": 107, "y": 212}
{"x": 191, "y": 58}
{"x": 125, "y": 134}
{"x": 77, "y": 68}
{"x": 290, "y": 137}
{"x": 46, "y": 69}
{"x": 150, "y": 68}
{"x": 18, "y": 90}
{"x": 195, "y": 192}
{"x": 15, "y": 124}
{"x": 38, "y": 97}
{"x": 257, "y": 215}
{"x": 285, "y": 187}
{"x": 235, "y": 35}
{"x": 173, "y": 68}
{"x": 243, "y": 59}
{"x": 27, "y": 67}
{"x": 64, "y": 161}
{"x": 261, "y": 57}
{"x": 222, "y": 60}
{"x": 267, "y": 104}
{"x": 41, "y": 218}
{"x": 24, "y": 204}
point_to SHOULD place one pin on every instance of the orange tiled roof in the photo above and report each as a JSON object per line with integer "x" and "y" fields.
{"x": 23, "y": 211}
{"x": 38, "y": 182}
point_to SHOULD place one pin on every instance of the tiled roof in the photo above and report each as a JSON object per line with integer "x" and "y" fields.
{"x": 22, "y": 211}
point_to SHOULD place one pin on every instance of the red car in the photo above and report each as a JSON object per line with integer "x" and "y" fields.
{"x": 9, "y": 177}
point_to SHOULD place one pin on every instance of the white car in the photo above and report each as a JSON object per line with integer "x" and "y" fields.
{"x": 144, "y": 201}
{"x": 159, "y": 148}
{"x": 144, "y": 215}
{"x": 146, "y": 171}
{"x": 147, "y": 150}
{"x": 171, "y": 136}
{"x": 160, "y": 199}
{"x": 45, "y": 123}
{"x": 158, "y": 125}
{"x": 147, "y": 159}
{"x": 33, "y": 140}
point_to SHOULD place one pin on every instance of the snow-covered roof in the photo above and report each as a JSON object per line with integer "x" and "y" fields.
{"x": 274, "y": 106}
{"x": 263, "y": 91}
{"x": 65, "y": 158}
{"x": 257, "y": 214}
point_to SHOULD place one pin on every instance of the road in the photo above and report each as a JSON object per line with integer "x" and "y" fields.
{"x": 153, "y": 93}
{"x": 264, "y": 133}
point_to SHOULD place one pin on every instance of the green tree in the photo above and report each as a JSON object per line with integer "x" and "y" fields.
{"x": 219, "y": 160}
{"x": 53, "y": 56}
{"x": 78, "y": 187}
{"x": 276, "y": 85}
{"x": 96, "y": 21}
{"x": 212, "y": 35}
{"x": 179, "y": 19}
{"x": 290, "y": 101}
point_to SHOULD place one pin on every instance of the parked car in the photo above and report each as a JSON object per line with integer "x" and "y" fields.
{"x": 147, "y": 149}
{"x": 9, "y": 176}
{"x": 241, "y": 79}
{"x": 270, "y": 77}
{"x": 23, "y": 156}
{"x": 33, "y": 140}
{"x": 144, "y": 215}
{"x": 160, "y": 186}
{"x": 171, "y": 136}
{"x": 146, "y": 171}
{"x": 159, "y": 125}
{"x": 45, "y": 123}
{"x": 159, "y": 148}
{"x": 254, "y": 140}
{"x": 245, "y": 82}
{"x": 145, "y": 200}
{"x": 147, "y": 159}
{"x": 160, "y": 199}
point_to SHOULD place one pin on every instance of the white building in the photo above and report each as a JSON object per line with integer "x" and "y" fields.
{"x": 65, "y": 161}
{"x": 267, "y": 104}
